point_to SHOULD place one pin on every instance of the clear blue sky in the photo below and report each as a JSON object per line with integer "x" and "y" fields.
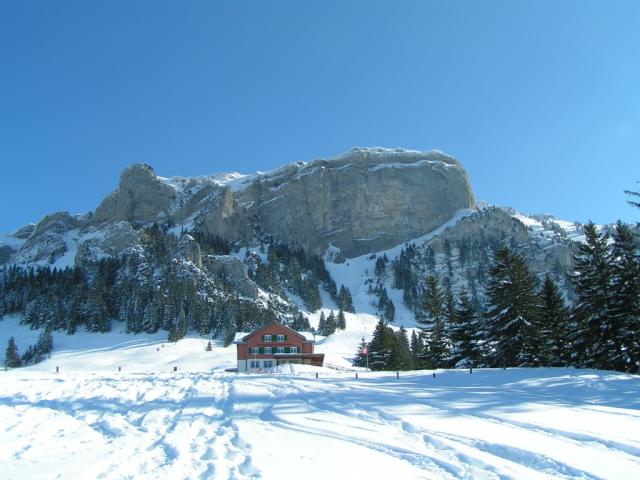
{"x": 539, "y": 100}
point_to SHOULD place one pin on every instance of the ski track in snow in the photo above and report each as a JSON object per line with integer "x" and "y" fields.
{"x": 493, "y": 424}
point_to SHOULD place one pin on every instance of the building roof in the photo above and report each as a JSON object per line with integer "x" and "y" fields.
{"x": 240, "y": 337}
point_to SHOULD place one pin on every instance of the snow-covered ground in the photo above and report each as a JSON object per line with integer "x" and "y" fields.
{"x": 516, "y": 423}
{"x": 91, "y": 421}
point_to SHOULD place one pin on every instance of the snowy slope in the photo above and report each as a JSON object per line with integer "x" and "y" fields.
{"x": 493, "y": 424}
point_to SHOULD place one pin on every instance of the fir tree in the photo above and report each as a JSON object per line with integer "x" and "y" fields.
{"x": 624, "y": 309}
{"x": 345, "y": 301}
{"x": 592, "y": 329}
{"x": 330, "y": 325}
{"x": 553, "y": 318}
{"x": 434, "y": 324}
{"x": 465, "y": 334}
{"x": 402, "y": 358}
{"x": 11, "y": 358}
{"x": 322, "y": 325}
{"x": 513, "y": 328}
{"x": 416, "y": 350}
{"x": 381, "y": 347}
{"x": 360, "y": 359}
{"x": 341, "y": 321}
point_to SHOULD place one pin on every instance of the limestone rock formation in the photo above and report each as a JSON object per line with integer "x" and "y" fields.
{"x": 234, "y": 271}
{"x": 48, "y": 239}
{"x": 362, "y": 201}
{"x": 140, "y": 197}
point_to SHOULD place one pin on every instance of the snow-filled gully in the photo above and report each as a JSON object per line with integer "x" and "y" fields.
{"x": 494, "y": 425}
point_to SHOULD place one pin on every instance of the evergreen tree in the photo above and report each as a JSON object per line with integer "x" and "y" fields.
{"x": 330, "y": 325}
{"x": 592, "y": 329}
{"x": 624, "y": 309}
{"x": 381, "y": 347}
{"x": 402, "y": 358}
{"x": 345, "y": 301}
{"x": 433, "y": 323}
{"x": 465, "y": 334}
{"x": 11, "y": 358}
{"x": 341, "y": 321}
{"x": 322, "y": 325}
{"x": 512, "y": 316}
{"x": 553, "y": 318}
{"x": 635, "y": 195}
{"x": 360, "y": 359}
{"x": 389, "y": 311}
{"x": 416, "y": 350}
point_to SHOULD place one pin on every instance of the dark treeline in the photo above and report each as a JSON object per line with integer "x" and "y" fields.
{"x": 525, "y": 322}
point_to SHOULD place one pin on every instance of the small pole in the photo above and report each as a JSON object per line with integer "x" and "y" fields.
{"x": 356, "y": 375}
{"x": 397, "y": 375}
{"x": 57, "y": 369}
{"x": 316, "y": 374}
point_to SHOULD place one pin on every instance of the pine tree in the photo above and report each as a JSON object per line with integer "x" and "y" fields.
{"x": 360, "y": 359}
{"x": 465, "y": 334}
{"x": 592, "y": 329}
{"x": 513, "y": 328}
{"x": 632, "y": 194}
{"x": 553, "y": 318}
{"x": 416, "y": 350}
{"x": 433, "y": 323}
{"x": 381, "y": 347}
{"x": 402, "y": 358}
{"x": 345, "y": 301}
{"x": 341, "y": 321}
{"x": 322, "y": 325}
{"x": 12, "y": 358}
{"x": 330, "y": 325}
{"x": 624, "y": 309}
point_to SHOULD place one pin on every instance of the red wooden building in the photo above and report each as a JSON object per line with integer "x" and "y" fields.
{"x": 275, "y": 344}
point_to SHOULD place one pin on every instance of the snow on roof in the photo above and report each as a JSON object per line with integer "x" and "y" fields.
{"x": 239, "y": 336}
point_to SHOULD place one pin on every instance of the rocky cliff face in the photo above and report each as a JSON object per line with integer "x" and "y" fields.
{"x": 362, "y": 201}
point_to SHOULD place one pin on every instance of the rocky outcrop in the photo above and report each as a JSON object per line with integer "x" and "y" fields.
{"x": 110, "y": 240}
{"x": 233, "y": 271}
{"x": 365, "y": 200}
{"x": 362, "y": 201}
{"x": 49, "y": 239}
{"x": 140, "y": 197}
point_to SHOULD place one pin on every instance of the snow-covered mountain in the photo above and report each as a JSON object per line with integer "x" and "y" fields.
{"x": 228, "y": 251}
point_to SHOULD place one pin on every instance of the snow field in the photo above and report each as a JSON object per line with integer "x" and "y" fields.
{"x": 492, "y": 424}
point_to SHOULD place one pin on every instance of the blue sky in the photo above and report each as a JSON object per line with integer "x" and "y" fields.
{"x": 539, "y": 100}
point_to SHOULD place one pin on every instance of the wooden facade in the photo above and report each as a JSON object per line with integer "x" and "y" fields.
{"x": 275, "y": 344}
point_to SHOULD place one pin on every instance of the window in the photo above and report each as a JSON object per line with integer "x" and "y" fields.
{"x": 268, "y": 364}
{"x": 266, "y": 338}
{"x": 293, "y": 349}
{"x": 280, "y": 349}
{"x": 267, "y": 349}
{"x": 253, "y": 364}
{"x": 281, "y": 338}
{"x": 253, "y": 350}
